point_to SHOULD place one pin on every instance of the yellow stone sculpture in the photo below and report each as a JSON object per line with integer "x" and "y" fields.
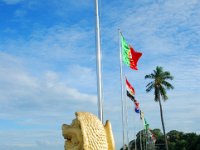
{"x": 86, "y": 132}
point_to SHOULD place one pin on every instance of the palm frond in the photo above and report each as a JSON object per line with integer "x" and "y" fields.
{"x": 150, "y": 87}
{"x": 152, "y": 82}
{"x": 167, "y": 85}
{"x": 150, "y": 76}
{"x": 163, "y": 93}
{"x": 166, "y": 75}
{"x": 159, "y": 70}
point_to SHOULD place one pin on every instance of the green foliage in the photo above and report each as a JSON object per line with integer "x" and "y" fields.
{"x": 124, "y": 148}
{"x": 159, "y": 83}
{"x": 176, "y": 141}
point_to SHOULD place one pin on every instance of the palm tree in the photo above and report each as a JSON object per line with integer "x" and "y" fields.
{"x": 160, "y": 85}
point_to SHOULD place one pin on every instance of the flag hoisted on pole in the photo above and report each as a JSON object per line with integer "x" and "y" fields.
{"x": 130, "y": 92}
{"x": 129, "y": 88}
{"x": 130, "y": 56}
{"x": 99, "y": 68}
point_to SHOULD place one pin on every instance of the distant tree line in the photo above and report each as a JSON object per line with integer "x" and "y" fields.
{"x": 176, "y": 141}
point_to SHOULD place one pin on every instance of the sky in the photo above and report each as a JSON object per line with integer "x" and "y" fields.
{"x": 48, "y": 66}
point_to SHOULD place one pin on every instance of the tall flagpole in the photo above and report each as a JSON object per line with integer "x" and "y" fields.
{"x": 126, "y": 118}
{"x": 140, "y": 136}
{"x": 122, "y": 88}
{"x": 99, "y": 68}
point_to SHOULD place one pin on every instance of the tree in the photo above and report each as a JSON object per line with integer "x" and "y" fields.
{"x": 177, "y": 140}
{"x": 125, "y": 147}
{"x": 159, "y": 84}
{"x": 143, "y": 141}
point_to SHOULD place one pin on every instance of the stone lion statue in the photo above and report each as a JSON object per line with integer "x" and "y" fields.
{"x": 86, "y": 132}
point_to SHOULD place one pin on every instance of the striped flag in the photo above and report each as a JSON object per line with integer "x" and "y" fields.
{"x": 129, "y": 88}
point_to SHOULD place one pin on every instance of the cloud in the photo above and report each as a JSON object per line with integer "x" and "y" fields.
{"x": 33, "y": 103}
{"x": 58, "y": 43}
{"x": 51, "y": 140}
{"x": 86, "y": 77}
{"x": 64, "y": 8}
{"x": 21, "y": 92}
{"x": 171, "y": 24}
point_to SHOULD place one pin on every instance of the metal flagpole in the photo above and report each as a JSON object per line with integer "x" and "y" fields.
{"x": 126, "y": 115}
{"x": 99, "y": 68}
{"x": 143, "y": 136}
{"x": 122, "y": 88}
{"x": 140, "y": 138}
{"x": 134, "y": 130}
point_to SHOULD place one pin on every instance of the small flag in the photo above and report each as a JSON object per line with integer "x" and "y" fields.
{"x": 129, "y": 55}
{"x": 130, "y": 96}
{"x": 130, "y": 88}
{"x": 136, "y": 104}
{"x": 137, "y": 110}
{"x": 146, "y": 125}
{"x": 141, "y": 115}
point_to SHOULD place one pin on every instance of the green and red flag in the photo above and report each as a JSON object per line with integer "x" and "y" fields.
{"x": 129, "y": 56}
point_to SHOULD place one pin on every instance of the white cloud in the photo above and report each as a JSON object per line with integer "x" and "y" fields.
{"x": 21, "y": 92}
{"x": 34, "y": 103}
{"x": 18, "y": 139}
{"x": 86, "y": 77}
{"x": 58, "y": 44}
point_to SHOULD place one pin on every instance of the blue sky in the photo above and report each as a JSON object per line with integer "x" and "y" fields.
{"x": 48, "y": 66}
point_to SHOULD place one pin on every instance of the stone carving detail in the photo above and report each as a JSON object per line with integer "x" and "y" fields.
{"x": 86, "y": 132}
